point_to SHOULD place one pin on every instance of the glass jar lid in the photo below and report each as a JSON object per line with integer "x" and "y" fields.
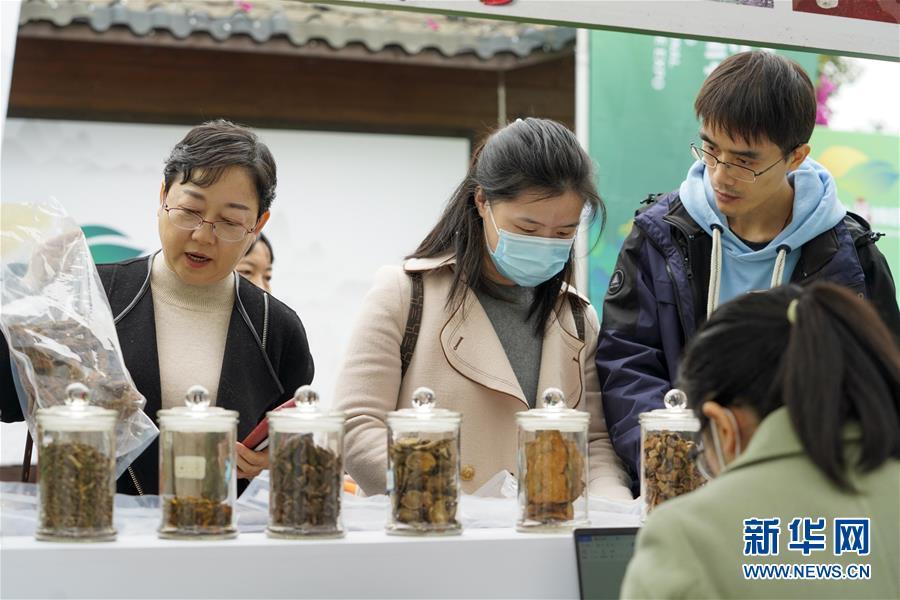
{"x": 423, "y": 416}
{"x": 77, "y": 414}
{"x": 553, "y": 414}
{"x": 676, "y": 416}
{"x": 197, "y": 414}
{"x": 306, "y": 415}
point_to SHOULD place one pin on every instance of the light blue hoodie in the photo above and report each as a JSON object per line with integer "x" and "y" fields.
{"x": 816, "y": 210}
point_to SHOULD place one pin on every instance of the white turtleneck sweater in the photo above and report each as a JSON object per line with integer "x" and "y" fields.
{"x": 191, "y": 329}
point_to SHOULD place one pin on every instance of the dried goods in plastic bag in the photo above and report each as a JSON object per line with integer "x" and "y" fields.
{"x": 58, "y": 323}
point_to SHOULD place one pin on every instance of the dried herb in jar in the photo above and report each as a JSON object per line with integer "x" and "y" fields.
{"x": 669, "y": 469}
{"x": 75, "y": 489}
{"x": 554, "y": 477}
{"x": 306, "y": 483}
{"x": 425, "y": 482}
{"x": 191, "y": 512}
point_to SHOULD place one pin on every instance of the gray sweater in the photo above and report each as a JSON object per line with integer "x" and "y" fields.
{"x": 509, "y": 316}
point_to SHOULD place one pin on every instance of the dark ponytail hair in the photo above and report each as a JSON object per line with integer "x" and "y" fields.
{"x": 836, "y": 363}
{"x": 529, "y": 155}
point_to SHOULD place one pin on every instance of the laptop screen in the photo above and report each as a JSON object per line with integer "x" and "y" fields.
{"x": 603, "y": 555}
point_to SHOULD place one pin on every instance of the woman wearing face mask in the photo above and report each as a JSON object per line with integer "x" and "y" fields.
{"x": 798, "y": 391}
{"x": 499, "y": 320}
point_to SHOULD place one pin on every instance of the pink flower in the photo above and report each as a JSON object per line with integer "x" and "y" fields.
{"x": 823, "y": 92}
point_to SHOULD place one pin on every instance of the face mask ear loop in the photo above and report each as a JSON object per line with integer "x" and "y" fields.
{"x": 491, "y": 212}
{"x": 737, "y": 432}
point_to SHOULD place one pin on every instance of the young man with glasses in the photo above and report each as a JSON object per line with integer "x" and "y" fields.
{"x": 754, "y": 212}
{"x": 183, "y": 316}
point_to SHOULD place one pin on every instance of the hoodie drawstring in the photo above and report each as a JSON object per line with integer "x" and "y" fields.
{"x": 780, "y": 260}
{"x": 715, "y": 269}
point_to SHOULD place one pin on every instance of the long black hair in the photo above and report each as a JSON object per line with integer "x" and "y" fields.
{"x": 529, "y": 155}
{"x": 820, "y": 351}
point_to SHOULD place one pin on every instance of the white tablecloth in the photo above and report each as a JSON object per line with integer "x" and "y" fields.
{"x": 487, "y": 560}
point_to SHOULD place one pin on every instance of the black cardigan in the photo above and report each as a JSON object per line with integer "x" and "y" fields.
{"x": 266, "y": 357}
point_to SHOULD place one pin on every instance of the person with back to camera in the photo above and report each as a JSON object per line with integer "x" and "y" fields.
{"x": 500, "y": 321}
{"x": 798, "y": 393}
{"x": 183, "y": 316}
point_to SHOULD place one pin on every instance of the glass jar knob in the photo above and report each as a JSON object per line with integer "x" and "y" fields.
{"x": 423, "y": 399}
{"x": 77, "y": 396}
{"x": 306, "y": 398}
{"x": 554, "y": 398}
{"x": 675, "y": 398}
{"x": 197, "y": 398}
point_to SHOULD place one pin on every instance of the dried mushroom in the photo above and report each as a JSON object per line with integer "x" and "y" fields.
{"x": 306, "y": 482}
{"x": 425, "y": 482}
{"x": 75, "y": 489}
{"x": 190, "y": 512}
{"x": 669, "y": 469}
{"x": 65, "y": 351}
{"x": 554, "y": 477}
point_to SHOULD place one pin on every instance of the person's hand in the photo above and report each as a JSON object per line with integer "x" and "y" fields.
{"x": 250, "y": 463}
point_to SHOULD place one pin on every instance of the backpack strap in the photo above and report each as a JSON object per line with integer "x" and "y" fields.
{"x": 413, "y": 321}
{"x": 577, "y": 314}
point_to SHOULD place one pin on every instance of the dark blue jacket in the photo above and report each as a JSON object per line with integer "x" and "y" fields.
{"x": 657, "y": 299}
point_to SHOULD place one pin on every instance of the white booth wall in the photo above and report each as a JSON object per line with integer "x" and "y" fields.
{"x": 346, "y": 204}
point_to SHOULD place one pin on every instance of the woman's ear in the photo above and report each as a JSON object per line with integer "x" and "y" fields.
{"x": 480, "y": 202}
{"x": 726, "y": 427}
{"x": 263, "y": 219}
{"x": 162, "y": 194}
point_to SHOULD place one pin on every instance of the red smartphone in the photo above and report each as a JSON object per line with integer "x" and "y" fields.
{"x": 258, "y": 439}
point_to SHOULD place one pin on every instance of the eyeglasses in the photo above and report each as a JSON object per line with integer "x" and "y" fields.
{"x": 226, "y": 231}
{"x": 737, "y": 171}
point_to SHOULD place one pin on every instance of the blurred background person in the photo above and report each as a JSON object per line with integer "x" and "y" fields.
{"x": 256, "y": 265}
{"x": 798, "y": 393}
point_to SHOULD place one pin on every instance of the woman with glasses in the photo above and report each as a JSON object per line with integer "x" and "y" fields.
{"x": 798, "y": 392}
{"x": 484, "y": 313}
{"x": 184, "y": 317}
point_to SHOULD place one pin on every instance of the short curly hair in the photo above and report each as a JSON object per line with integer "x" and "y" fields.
{"x": 209, "y": 149}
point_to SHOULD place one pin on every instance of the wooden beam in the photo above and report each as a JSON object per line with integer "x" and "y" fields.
{"x": 63, "y": 78}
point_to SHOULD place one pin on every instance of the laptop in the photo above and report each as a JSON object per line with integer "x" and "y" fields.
{"x": 602, "y": 556}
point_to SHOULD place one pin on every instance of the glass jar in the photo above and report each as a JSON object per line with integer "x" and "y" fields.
{"x": 306, "y": 469}
{"x": 669, "y": 437}
{"x": 423, "y": 468}
{"x": 77, "y": 457}
{"x": 198, "y": 469}
{"x": 552, "y": 465}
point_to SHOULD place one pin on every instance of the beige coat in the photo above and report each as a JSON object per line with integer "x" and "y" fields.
{"x": 459, "y": 356}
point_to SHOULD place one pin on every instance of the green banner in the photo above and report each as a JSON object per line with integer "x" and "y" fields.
{"x": 866, "y": 167}
{"x": 642, "y": 91}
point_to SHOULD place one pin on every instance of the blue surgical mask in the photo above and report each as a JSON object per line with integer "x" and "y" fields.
{"x": 529, "y": 260}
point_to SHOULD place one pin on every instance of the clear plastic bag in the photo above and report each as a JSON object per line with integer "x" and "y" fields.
{"x": 59, "y": 326}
